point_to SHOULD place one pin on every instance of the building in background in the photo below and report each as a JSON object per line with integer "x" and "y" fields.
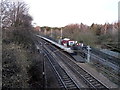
{"x": 37, "y": 28}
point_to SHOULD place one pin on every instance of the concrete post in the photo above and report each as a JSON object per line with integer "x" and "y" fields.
{"x": 88, "y": 54}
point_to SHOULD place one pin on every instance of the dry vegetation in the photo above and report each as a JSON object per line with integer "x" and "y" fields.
{"x": 22, "y": 68}
{"x": 20, "y": 65}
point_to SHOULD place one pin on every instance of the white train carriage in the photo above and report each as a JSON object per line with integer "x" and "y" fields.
{"x": 58, "y": 45}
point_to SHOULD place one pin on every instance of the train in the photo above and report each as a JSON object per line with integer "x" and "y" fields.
{"x": 67, "y": 42}
{"x": 63, "y": 47}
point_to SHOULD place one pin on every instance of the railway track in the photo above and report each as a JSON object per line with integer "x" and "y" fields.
{"x": 109, "y": 58}
{"x": 64, "y": 78}
{"x": 89, "y": 80}
{"x": 65, "y": 81}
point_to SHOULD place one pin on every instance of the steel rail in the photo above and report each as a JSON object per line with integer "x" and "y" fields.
{"x": 67, "y": 78}
{"x": 88, "y": 78}
{"x": 77, "y": 69}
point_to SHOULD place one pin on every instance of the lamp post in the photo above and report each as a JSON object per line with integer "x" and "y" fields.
{"x": 61, "y": 33}
{"x": 51, "y": 32}
{"x": 45, "y": 31}
{"x": 43, "y": 71}
{"x": 119, "y": 11}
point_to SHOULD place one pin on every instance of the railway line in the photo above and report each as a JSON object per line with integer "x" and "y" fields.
{"x": 107, "y": 57}
{"x": 88, "y": 79}
{"x": 95, "y": 55}
{"x": 108, "y": 62}
{"x": 85, "y": 76}
{"x": 64, "y": 80}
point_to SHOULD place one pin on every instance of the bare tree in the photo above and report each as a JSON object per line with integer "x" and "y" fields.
{"x": 13, "y": 13}
{"x": 16, "y": 23}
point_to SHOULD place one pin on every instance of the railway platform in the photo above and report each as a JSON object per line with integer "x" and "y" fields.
{"x": 78, "y": 58}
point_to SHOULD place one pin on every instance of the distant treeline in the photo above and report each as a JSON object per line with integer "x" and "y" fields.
{"x": 95, "y": 35}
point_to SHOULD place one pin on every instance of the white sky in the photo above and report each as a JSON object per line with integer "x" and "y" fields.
{"x": 57, "y": 13}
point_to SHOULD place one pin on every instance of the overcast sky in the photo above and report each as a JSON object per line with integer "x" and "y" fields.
{"x": 57, "y": 13}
